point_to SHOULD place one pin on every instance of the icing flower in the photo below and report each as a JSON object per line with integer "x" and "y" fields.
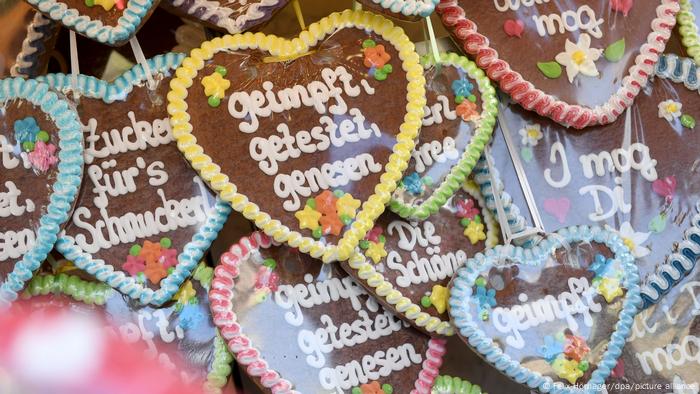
{"x": 168, "y": 258}
{"x": 185, "y": 293}
{"x": 150, "y": 252}
{"x": 475, "y": 232}
{"x": 462, "y": 87}
{"x": 467, "y": 111}
{"x": 347, "y": 206}
{"x": 26, "y": 130}
{"x": 531, "y": 134}
{"x": 374, "y": 234}
{"x": 325, "y": 203}
{"x": 466, "y": 209}
{"x": 610, "y": 289}
{"x": 376, "y": 56}
{"x": 576, "y": 348}
{"x": 567, "y": 369}
{"x": 600, "y": 265}
{"x": 439, "y": 297}
{"x": 43, "y": 156}
{"x": 134, "y": 265}
{"x": 155, "y": 272}
{"x": 634, "y": 240}
{"x": 190, "y": 317}
{"x": 551, "y": 349}
{"x": 670, "y": 110}
{"x": 623, "y": 6}
{"x": 373, "y": 387}
{"x": 579, "y": 57}
{"x": 265, "y": 278}
{"x": 413, "y": 184}
{"x": 485, "y": 298}
{"x": 376, "y": 251}
{"x": 308, "y": 218}
{"x": 215, "y": 86}
{"x": 331, "y": 224}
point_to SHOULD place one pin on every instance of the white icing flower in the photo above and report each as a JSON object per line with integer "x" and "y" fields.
{"x": 634, "y": 240}
{"x": 681, "y": 387}
{"x": 670, "y": 110}
{"x": 531, "y": 134}
{"x": 579, "y": 57}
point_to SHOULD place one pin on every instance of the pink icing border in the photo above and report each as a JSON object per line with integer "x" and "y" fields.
{"x": 221, "y": 297}
{"x": 531, "y": 98}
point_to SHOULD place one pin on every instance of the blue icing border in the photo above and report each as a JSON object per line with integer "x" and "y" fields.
{"x": 193, "y": 250}
{"x": 422, "y": 8}
{"x": 68, "y": 179}
{"x": 468, "y": 273}
{"x": 676, "y": 265}
{"x": 127, "y": 24}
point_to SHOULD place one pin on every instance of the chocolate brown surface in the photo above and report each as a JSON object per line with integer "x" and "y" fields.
{"x": 370, "y": 5}
{"x": 32, "y": 184}
{"x": 112, "y": 118}
{"x": 267, "y": 323}
{"x": 236, "y": 9}
{"x": 441, "y": 235}
{"x": 218, "y": 133}
{"x": 673, "y": 146}
{"x": 523, "y": 54}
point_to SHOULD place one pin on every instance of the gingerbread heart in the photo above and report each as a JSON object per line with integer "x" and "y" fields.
{"x": 110, "y": 22}
{"x": 688, "y": 28}
{"x": 338, "y": 338}
{"x": 408, "y": 265}
{"x": 459, "y": 118}
{"x": 586, "y": 62}
{"x": 232, "y": 16}
{"x": 41, "y": 167}
{"x": 144, "y": 218}
{"x": 637, "y": 175}
{"x": 303, "y": 145}
{"x": 180, "y": 336}
{"x": 552, "y": 316}
{"x": 410, "y": 10}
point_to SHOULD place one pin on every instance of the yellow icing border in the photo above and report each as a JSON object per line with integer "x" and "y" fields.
{"x": 276, "y": 46}
{"x": 414, "y": 312}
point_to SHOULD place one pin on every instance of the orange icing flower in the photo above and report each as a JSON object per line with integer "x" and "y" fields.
{"x": 155, "y": 272}
{"x": 150, "y": 252}
{"x": 325, "y": 203}
{"x": 576, "y": 348}
{"x": 371, "y": 388}
{"x": 376, "y": 56}
{"x": 467, "y": 111}
{"x": 331, "y": 224}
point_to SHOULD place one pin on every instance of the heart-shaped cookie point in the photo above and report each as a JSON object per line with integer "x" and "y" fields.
{"x": 144, "y": 218}
{"x": 40, "y": 171}
{"x": 587, "y": 63}
{"x": 411, "y": 10}
{"x": 556, "y": 315}
{"x": 460, "y": 114}
{"x": 295, "y": 134}
{"x": 337, "y": 337}
{"x": 231, "y": 16}
{"x": 407, "y": 265}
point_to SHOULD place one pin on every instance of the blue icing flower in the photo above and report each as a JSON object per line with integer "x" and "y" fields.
{"x": 462, "y": 87}
{"x": 486, "y": 298}
{"x": 26, "y": 130}
{"x": 551, "y": 349}
{"x": 190, "y": 317}
{"x": 600, "y": 265}
{"x": 413, "y": 184}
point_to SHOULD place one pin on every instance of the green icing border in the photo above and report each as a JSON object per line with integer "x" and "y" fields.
{"x": 689, "y": 30}
{"x": 445, "y": 384}
{"x": 460, "y": 171}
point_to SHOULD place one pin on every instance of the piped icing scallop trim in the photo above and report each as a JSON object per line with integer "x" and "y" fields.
{"x": 215, "y": 13}
{"x": 535, "y": 256}
{"x": 39, "y": 30}
{"x": 461, "y": 170}
{"x": 126, "y": 27}
{"x": 412, "y": 311}
{"x": 422, "y": 8}
{"x": 445, "y": 384}
{"x": 398, "y": 160}
{"x": 533, "y": 99}
{"x": 221, "y": 298}
{"x": 64, "y": 189}
{"x": 688, "y": 28}
{"x": 193, "y": 250}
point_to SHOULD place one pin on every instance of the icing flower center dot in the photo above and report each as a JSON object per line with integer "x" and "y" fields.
{"x": 629, "y": 243}
{"x": 578, "y": 57}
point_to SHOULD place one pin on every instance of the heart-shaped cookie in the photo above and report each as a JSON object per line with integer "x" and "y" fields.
{"x": 143, "y": 218}
{"x": 232, "y": 16}
{"x": 41, "y": 166}
{"x": 410, "y": 10}
{"x": 110, "y": 22}
{"x": 587, "y": 62}
{"x": 39, "y": 39}
{"x": 296, "y": 134}
{"x": 180, "y": 336}
{"x": 688, "y": 28}
{"x": 636, "y": 175}
{"x": 459, "y": 118}
{"x": 337, "y": 337}
{"x": 408, "y": 265}
{"x": 551, "y": 316}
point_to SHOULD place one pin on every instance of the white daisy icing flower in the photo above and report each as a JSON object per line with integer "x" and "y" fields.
{"x": 579, "y": 57}
{"x": 670, "y": 110}
{"x": 634, "y": 240}
{"x": 531, "y": 134}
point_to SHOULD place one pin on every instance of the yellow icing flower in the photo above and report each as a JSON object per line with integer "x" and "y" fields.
{"x": 475, "y": 232}
{"x": 347, "y": 206}
{"x": 439, "y": 297}
{"x": 185, "y": 294}
{"x": 215, "y": 85}
{"x": 610, "y": 289}
{"x": 567, "y": 369}
{"x": 308, "y": 218}
{"x": 376, "y": 251}
{"x": 106, "y": 4}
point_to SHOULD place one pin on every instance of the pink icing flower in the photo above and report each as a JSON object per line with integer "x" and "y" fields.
{"x": 42, "y": 157}
{"x": 465, "y": 209}
{"x": 134, "y": 265}
{"x": 374, "y": 233}
{"x": 168, "y": 258}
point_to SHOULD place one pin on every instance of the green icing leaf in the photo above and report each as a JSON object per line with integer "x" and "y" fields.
{"x": 550, "y": 69}
{"x": 615, "y": 51}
